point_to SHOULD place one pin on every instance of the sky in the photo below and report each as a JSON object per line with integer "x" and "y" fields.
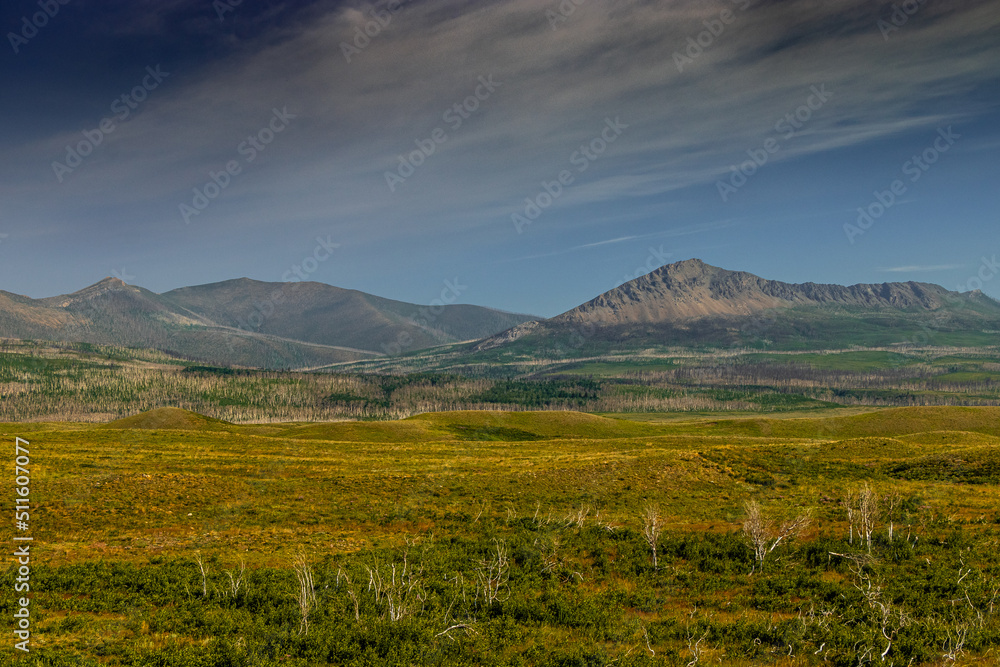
{"x": 520, "y": 154}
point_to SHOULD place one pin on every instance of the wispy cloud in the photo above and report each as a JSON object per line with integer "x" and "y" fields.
{"x": 608, "y": 242}
{"x": 921, "y": 268}
{"x": 557, "y": 88}
{"x": 684, "y": 230}
{"x": 428, "y": 59}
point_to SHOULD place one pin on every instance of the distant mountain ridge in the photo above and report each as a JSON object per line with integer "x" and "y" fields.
{"x": 247, "y": 322}
{"x": 691, "y": 302}
{"x": 693, "y": 289}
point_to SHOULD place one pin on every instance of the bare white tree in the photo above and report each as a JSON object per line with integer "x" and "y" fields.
{"x": 307, "y": 591}
{"x": 868, "y": 513}
{"x": 850, "y": 503}
{"x": 652, "y": 526}
{"x": 892, "y": 501}
{"x": 888, "y": 617}
{"x": 954, "y": 646}
{"x": 236, "y": 582}
{"x": 694, "y": 645}
{"x": 204, "y": 581}
{"x": 493, "y": 574}
{"x": 400, "y": 588}
{"x": 351, "y": 593}
{"x": 645, "y": 635}
{"x": 483, "y": 506}
{"x": 606, "y": 524}
{"x": 551, "y": 561}
{"x": 539, "y": 521}
{"x": 466, "y": 625}
{"x": 865, "y": 508}
{"x": 511, "y": 515}
{"x": 467, "y": 628}
{"x": 762, "y": 534}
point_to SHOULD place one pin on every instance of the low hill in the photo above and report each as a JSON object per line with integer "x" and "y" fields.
{"x": 170, "y": 418}
{"x": 894, "y": 422}
{"x": 474, "y": 425}
{"x": 531, "y": 425}
{"x": 938, "y": 426}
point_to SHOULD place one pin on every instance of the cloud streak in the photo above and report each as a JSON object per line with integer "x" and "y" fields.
{"x": 606, "y": 60}
{"x": 922, "y": 268}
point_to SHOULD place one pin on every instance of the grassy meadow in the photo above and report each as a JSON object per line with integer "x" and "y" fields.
{"x": 516, "y": 538}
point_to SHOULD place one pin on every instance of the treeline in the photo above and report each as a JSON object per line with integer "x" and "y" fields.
{"x": 94, "y": 383}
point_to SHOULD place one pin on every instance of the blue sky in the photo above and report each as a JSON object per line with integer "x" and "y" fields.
{"x": 258, "y": 137}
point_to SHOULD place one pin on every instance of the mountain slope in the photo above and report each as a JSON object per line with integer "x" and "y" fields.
{"x": 323, "y": 314}
{"x": 693, "y": 303}
{"x": 245, "y": 322}
{"x": 691, "y": 289}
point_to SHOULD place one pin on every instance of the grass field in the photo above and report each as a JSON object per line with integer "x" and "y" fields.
{"x": 513, "y": 538}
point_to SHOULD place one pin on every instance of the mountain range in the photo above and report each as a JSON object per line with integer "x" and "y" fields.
{"x": 694, "y": 303}
{"x": 246, "y": 322}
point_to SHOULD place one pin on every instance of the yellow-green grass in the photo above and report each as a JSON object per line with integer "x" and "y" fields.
{"x": 707, "y": 415}
{"x": 889, "y": 422}
{"x": 170, "y": 418}
{"x": 264, "y": 491}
